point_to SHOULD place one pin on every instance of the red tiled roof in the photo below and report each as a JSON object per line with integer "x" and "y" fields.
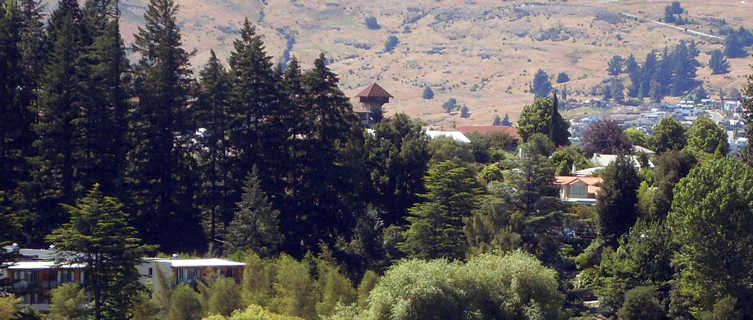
{"x": 374, "y": 91}
{"x": 510, "y": 130}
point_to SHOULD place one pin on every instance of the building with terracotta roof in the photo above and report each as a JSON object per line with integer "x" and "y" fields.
{"x": 368, "y": 104}
{"x": 509, "y": 130}
{"x": 581, "y": 190}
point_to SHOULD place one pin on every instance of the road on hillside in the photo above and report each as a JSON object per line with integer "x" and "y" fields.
{"x": 698, "y": 33}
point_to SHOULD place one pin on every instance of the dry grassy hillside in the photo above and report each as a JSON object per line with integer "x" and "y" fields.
{"x": 481, "y": 52}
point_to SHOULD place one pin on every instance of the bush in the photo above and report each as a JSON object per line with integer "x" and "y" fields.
{"x": 224, "y": 297}
{"x": 562, "y": 77}
{"x": 295, "y": 291}
{"x": 68, "y": 302}
{"x": 428, "y": 93}
{"x": 371, "y": 23}
{"x": 488, "y": 286}
{"x": 253, "y": 312}
{"x": 335, "y": 287}
{"x": 184, "y": 304}
{"x": 491, "y": 173}
{"x": 641, "y": 304}
{"x": 368, "y": 282}
{"x": 8, "y": 306}
{"x": 391, "y": 43}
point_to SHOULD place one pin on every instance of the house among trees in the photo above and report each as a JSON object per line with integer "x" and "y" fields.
{"x": 582, "y": 190}
{"x": 488, "y": 130}
{"x": 37, "y": 273}
{"x": 368, "y": 104}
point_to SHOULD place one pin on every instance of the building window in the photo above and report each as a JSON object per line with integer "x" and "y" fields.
{"x": 150, "y": 272}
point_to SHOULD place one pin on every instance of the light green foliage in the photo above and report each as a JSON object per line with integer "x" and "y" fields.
{"x": 258, "y": 277}
{"x": 636, "y": 137}
{"x": 436, "y": 224}
{"x": 591, "y": 255}
{"x": 724, "y": 309}
{"x": 253, "y": 312}
{"x": 706, "y": 136}
{"x": 711, "y": 222}
{"x": 444, "y": 149}
{"x": 564, "y": 158}
{"x": 184, "y": 304}
{"x": 335, "y": 289}
{"x": 144, "y": 307}
{"x": 68, "y": 302}
{"x": 295, "y": 292}
{"x": 224, "y": 296}
{"x": 646, "y": 197}
{"x": 491, "y": 173}
{"x": 369, "y": 280}
{"x": 669, "y": 134}
{"x": 8, "y": 306}
{"x": 538, "y": 144}
{"x": 503, "y": 141}
{"x": 542, "y": 117}
{"x": 641, "y": 304}
{"x": 488, "y": 286}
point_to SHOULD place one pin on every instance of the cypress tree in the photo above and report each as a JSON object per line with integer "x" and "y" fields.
{"x": 162, "y": 182}
{"x": 59, "y": 107}
{"x": 33, "y": 50}
{"x": 213, "y": 115}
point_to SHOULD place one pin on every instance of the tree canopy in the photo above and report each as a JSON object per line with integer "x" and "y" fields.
{"x": 543, "y": 117}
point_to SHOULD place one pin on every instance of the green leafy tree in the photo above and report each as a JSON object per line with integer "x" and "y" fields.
{"x": 369, "y": 280}
{"x": 489, "y": 286}
{"x": 616, "y": 203}
{"x": 436, "y": 224}
{"x": 336, "y": 289}
{"x": 295, "y": 292}
{"x": 713, "y": 200}
{"x": 68, "y": 302}
{"x": 444, "y": 149}
{"x": 707, "y": 137}
{"x": 543, "y": 117}
{"x": 162, "y": 183}
{"x": 255, "y": 225}
{"x": 185, "y": 304}
{"x": 541, "y": 86}
{"x": 641, "y": 303}
{"x": 669, "y": 134}
{"x": 671, "y": 166}
{"x": 8, "y": 306}
{"x": 606, "y": 136}
{"x": 223, "y": 297}
{"x": 636, "y": 136}
{"x": 98, "y": 235}
{"x": 492, "y": 226}
{"x": 718, "y": 62}
{"x": 397, "y": 158}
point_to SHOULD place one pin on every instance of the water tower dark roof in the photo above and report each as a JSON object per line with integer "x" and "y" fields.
{"x": 374, "y": 91}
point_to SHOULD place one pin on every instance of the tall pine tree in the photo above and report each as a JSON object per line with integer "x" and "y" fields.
{"x": 161, "y": 180}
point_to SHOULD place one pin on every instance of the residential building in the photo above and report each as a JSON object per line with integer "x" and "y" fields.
{"x": 581, "y": 190}
{"x": 368, "y": 103}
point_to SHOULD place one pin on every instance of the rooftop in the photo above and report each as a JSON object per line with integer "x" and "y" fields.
{"x": 213, "y": 262}
{"x": 374, "y": 91}
{"x": 36, "y": 265}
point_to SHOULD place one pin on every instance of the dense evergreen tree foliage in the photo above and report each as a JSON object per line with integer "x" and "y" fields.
{"x": 98, "y": 236}
{"x": 255, "y": 224}
{"x": 714, "y": 200}
{"x": 543, "y": 117}
{"x": 428, "y": 93}
{"x": 436, "y": 225}
{"x": 614, "y": 66}
{"x": 708, "y": 137}
{"x": 747, "y": 115}
{"x": 542, "y": 86}
{"x": 615, "y": 204}
{"x": 562, "y": 77}
{"x": 669, "y": 134}
{"x": 397, "y": 158}
{"x": 671, "y": 166}
{"x": 161, "y": 179}
{"x": 670, "y": 74}
{"x": 718, "y": 63}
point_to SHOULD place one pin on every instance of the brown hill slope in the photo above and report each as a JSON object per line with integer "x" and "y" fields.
{"x": 481, "y": 52}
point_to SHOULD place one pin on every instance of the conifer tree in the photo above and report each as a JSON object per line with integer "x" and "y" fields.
{"x": 213, "y": 116}
{"x": 57, "y": 141}
{"x": 436, "y": 225}
{"x": 98, "y": 235}
{"x": 254, "y": 98}
{"x": 616, "y": 203}
{"x": 747, "y": 153}
{"x": 541, "y": 86}
{"x": 328, "y": 189}
{"x": 161, "y": 180}
{"x": 33, "y": 49}
{"x": 15, "y": 125}
{"x": 255, "y": 225}
{"x": 718, "y": 63}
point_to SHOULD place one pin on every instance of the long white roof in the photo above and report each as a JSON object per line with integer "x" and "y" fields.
{"x": 454, "y": 135}
{"x": 38, "y": 265}
{"x": 213, "y": 262}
